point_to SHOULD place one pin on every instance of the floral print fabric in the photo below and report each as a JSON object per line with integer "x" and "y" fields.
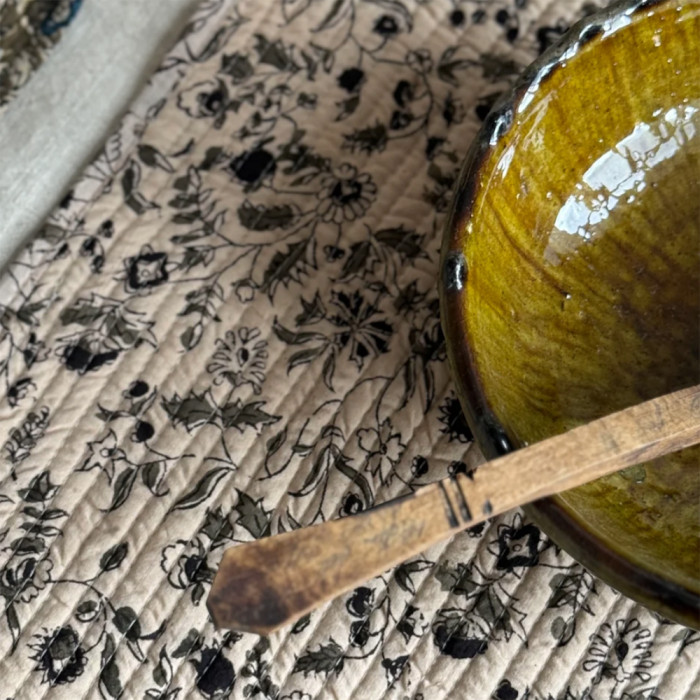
{"x": 229, "y": 329}
{"x": 28, "y": 29}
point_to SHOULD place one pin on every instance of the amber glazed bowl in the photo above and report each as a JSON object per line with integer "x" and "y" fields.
{"x": 571, "y": 281}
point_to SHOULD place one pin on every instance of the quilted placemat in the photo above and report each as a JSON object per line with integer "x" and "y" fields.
{"x": 229, "y": 328}
{"x": 28, "y": 29}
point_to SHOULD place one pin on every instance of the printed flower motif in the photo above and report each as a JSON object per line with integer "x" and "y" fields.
{"x": 205, "y": 100}
{"x": 86, "y": 354}
{"x": 421, "y": 61}
{"x": 237, "y": 66}
{"x": 384, "y": 449}
{"x": 386, "y": 26}
{"x": 458, "y": 638}
{"x": 506, "y": 691}
{"x": 102, "y": 455}
{"x": 19, "y": 391}
{"x": 453, "y": 421}
{"x": 517, "y": 545}
{"x": 145, "y": 271}
{"x": 240, "y": 359}
{"x": 188, "y": 567}
{"x": 25, "y": 580}
{"x": 352, "y": 504}
{"x": 245, "y": 291}
{"x": 345, "y": 195}
{"x": 296, "y": 695}
{"x": 619, "y": 653}
{"x": 136, "y": 390}
{"x": 34, "y": 351}
{"x": 361, "y": 602}
{"x": 59, "y": 655}
{"x": 360, "y": 326}
{"x": 351, "y": 79}
{"x": 252, "y": 167}
{"x": 215, "y": 674}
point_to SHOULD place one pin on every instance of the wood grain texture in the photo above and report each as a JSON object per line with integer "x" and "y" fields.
{"x": 265, "y": 584}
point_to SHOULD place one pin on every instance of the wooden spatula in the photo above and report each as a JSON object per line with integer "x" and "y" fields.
{"x": 263, "y": 585}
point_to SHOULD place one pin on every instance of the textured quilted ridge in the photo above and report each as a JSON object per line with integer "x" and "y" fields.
{"x": 229, "y": 328}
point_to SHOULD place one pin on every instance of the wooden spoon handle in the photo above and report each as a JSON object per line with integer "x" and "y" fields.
{"x": 263, "y": 585}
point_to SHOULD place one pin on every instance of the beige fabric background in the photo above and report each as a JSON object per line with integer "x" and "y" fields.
{"x": 229, "y": 329}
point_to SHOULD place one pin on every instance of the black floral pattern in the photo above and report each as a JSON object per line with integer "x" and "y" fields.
{"x": 518, "y": 545}
{"x": 59, "y": 655}
{"x": 228, "y": 329}
{"x": 240, "y": 359}
{"x": 146, "y": 270}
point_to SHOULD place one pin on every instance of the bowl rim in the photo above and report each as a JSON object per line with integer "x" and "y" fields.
{"x": 668, "y": 598}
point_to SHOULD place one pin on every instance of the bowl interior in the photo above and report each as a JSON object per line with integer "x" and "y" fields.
{"x": 582, "y": 289}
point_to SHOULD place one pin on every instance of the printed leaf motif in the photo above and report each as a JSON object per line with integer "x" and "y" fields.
{"x": 123, "y": 486}
{"x": 347, "y": 107}
{"x": 13, "y": 624}
{"x": 328, "y": 658}
{"x": 114, "y": 556}
{"x": 110, "y": 685}
{"x": 252, "y": 515}
{"x": 203, "y": 490}
{"x": 303, "y": 357}
{"x": 343, "y": 466}
{"x": 571, "y": 590}
{"x": 329, "y": 370}
{"x": 563, "y": 630}
{"x": 86, "y": 611}
{"x": 151, "y": 156}
{"x": 293, "y": 338}
{"x": 127, "y": 622}
{"x": 286, "y": 267}
{"x": 84, "y": 312}
{"x": 356, "y": 262}
{"x": 495, "y": 67}
{"x": 163, "y": 672}
{"x": 449, "y": 63}
{"x": 131, "y": 178}
{"x": 301, "y": 624}
{"x": 274, "y": 443}
{"x": 456, "y": 580}
{"x": 250, "y": 415}
{"x": 152, "y": 474}
{"x": 406, "y": 242}
{"x": 274, "y": 53}
{"x": 190, "y": 644}
{"x": 40, "y": 489}
{"x": 262, "y": 218}
{"x": 322, "y": 463}
{"x": 404, "y": 572}
{"x": 193, "y": 411}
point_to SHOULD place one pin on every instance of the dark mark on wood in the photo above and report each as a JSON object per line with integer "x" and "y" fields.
{"x": 449, "y": 510}
{"x": 487, "y": 507}
{"x": 463, "y": 506}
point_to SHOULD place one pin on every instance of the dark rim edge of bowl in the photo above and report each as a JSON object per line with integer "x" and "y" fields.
{"x": 666, "y": 597}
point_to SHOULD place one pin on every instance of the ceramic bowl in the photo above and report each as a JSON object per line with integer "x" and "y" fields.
{"x": 571, "y": 281}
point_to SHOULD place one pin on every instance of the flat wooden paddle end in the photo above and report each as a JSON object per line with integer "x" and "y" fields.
{"x": 240, "y": 598}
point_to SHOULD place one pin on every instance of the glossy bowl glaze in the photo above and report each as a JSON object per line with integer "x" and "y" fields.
{"x": 571, "y": 281}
